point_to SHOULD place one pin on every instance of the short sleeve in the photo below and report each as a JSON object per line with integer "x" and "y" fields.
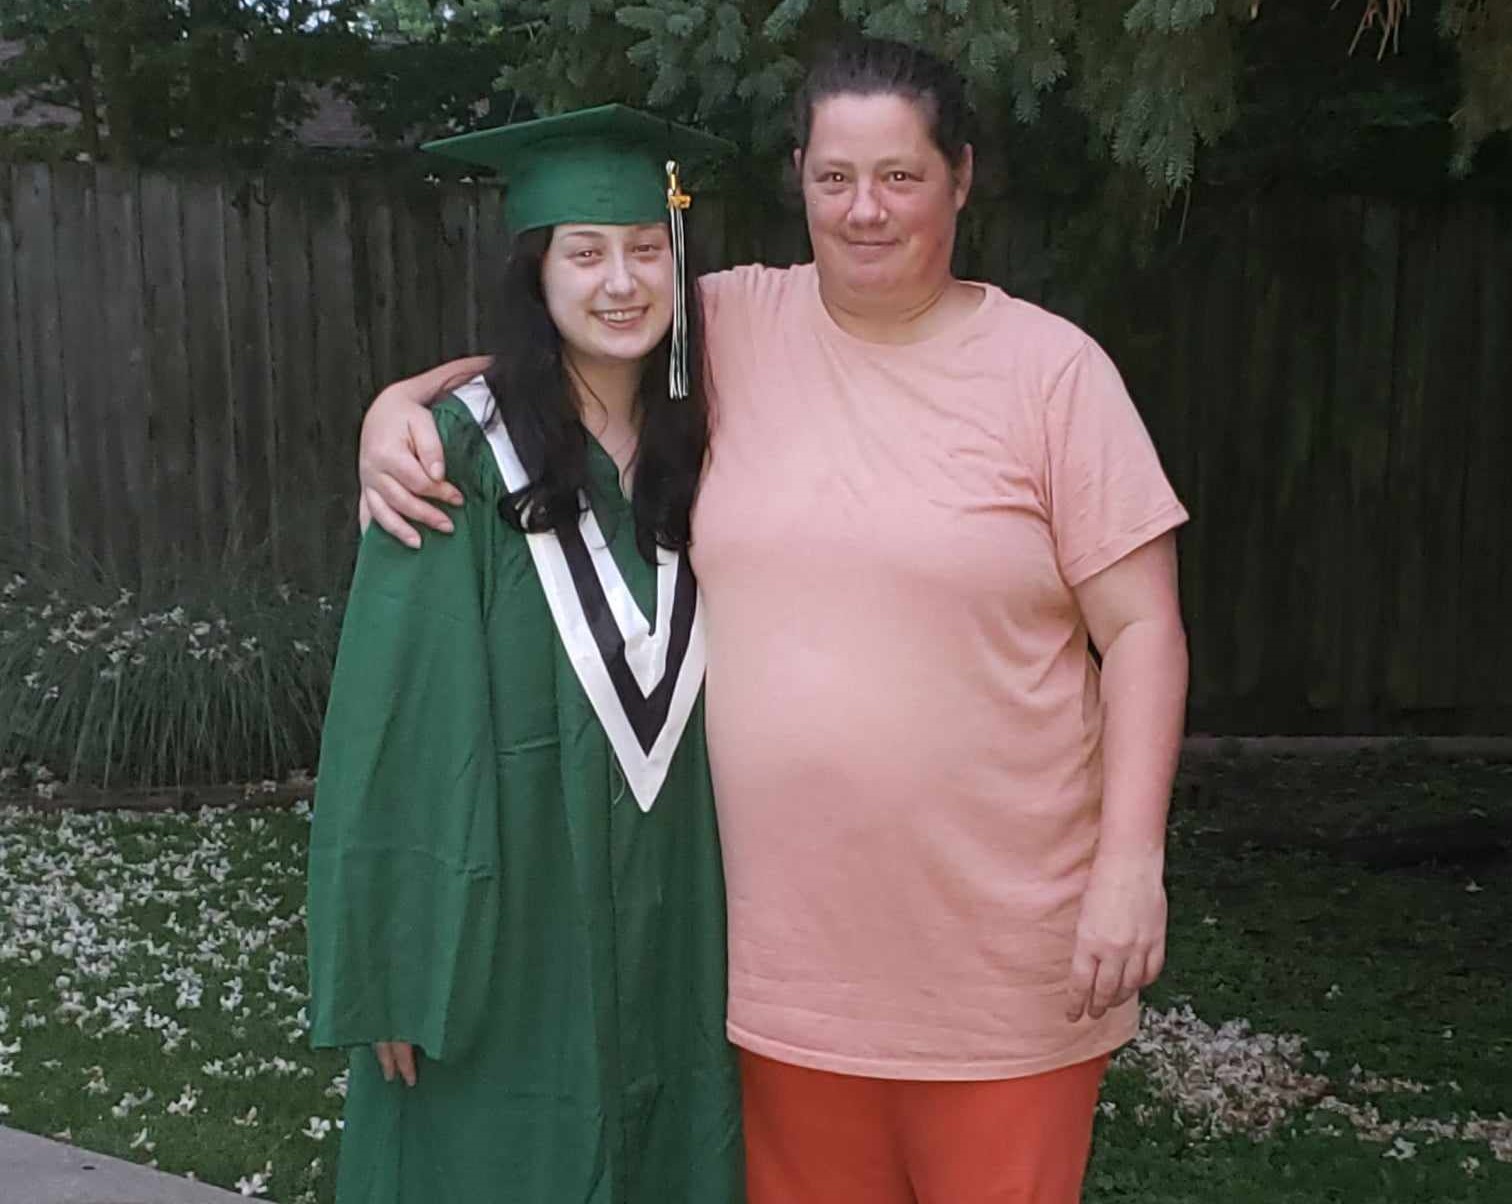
{"x": 711, "y": 286}
{"x": 1108, "y": 493}
{"x": 722, "y": 297}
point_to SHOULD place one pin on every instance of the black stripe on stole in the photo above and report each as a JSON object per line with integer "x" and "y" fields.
{"x": 647, "y": 714}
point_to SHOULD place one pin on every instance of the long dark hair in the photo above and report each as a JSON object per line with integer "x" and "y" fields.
{"x": 539, "y": 407}
{"x": 862, "y": 66}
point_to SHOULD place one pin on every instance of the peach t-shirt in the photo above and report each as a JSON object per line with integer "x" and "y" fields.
{"x": 902, "y": 712}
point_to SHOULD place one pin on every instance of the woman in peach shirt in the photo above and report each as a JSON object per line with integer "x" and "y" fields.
{"x": 943, "y": 823}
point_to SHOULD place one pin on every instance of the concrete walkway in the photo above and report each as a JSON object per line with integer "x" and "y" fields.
{"x": 34, "y": 1170}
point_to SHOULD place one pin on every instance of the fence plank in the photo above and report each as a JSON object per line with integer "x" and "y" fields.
{"x": 250, "y": 398}
{"x": 1221, "y": 505}
{"x": 1406, "y": 585}
{"x": 40, "y": 346}
{"x": 170, "y": 497}
{"x": 417, "y": 299}
{"x": 1368, "y": 437}
{"x": 1331, "y": 549}
{"x": 1447, "y": 430}
{"x": 454, "y": 266}
{"x": 15, "y": 496}
{"x": 79, "y": 322}
{"x": 377, "y": 289}
{"x": 340, "y": 391}
{"x": 1492, "y": 647}
{"x": 493, "y": 255}
{"x": 216, "y": 477}
{"x": 292, "y": 352}
{"x": 123, "y": 362}
{"x": 1254, "y": 398}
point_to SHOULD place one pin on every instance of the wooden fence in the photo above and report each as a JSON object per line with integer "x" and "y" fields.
{"x": 184, "y": 360}
{"x": 1327, "y": 385}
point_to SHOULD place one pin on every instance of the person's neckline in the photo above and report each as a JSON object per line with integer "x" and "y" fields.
{"x": 949, "y": 333}
{"x": 607, "y": 467}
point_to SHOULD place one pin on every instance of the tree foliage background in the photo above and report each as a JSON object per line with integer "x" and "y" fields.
{"x": 1156, "y": 82}
{"x": 1112, "y": 102}
{"x": 141, "y": 76}
{"x": 148, "y": 78}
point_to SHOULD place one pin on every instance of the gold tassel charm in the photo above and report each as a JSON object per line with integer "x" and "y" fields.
{"x": 677, "y": 201}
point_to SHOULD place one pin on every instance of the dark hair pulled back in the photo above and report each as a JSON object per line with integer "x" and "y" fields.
{"x": 539, "y": 406}
{"x": 862, "y": 66}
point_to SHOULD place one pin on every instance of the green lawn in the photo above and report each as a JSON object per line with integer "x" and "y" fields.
{"x": 1334, "y": 1024}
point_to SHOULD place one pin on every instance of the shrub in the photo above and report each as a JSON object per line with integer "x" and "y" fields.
{"x": 230, "y": 687}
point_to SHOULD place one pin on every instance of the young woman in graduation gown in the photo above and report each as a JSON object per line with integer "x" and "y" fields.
{"x": 516, "y": 905}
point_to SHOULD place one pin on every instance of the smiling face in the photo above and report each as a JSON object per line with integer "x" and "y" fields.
{"x": 609, "y": 290}
{"x": 881, "y": 200}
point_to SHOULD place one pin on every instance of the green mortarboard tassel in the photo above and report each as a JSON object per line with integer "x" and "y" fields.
{"x": 677, "y": 201}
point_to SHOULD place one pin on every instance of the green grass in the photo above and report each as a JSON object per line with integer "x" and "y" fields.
{"x": 124, "y": 910}
{"x": 1330, "y": 901}
{"x": 1366, "y": 904}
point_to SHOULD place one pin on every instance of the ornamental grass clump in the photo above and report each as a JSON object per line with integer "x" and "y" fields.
{"x": 229, "y": 687}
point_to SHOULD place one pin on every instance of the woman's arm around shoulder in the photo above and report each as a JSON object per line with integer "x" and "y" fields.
{"x": 400, "y": 462}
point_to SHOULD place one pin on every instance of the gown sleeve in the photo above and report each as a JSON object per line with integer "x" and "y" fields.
{"x": 404, "y": 888}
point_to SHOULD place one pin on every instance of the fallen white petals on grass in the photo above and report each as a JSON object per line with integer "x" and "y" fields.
{"x": 256, "y": 1184}
{"x": 186, "y": 1103}
{"x": 1369, "y": 1125}
{"x": 1401, "y": 1149}
{"x": 1231, "y": 1079}
{"x": 129, "y": 1103}
{"x": 148, "y": 916}
{"x": 159, "y": 945}
{"x": 1222, "y": 1080}
{"x": 318, "y": 1129}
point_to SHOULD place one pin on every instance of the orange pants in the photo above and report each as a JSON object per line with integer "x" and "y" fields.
{"x": 813, "y": 1137}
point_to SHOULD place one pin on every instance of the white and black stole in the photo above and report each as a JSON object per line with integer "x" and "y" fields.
{"x": 642, "y": 680}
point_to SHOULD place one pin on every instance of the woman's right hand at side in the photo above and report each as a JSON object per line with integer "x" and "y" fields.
{"x": 396, "y": 1057}
{"x": 400, "y": 463}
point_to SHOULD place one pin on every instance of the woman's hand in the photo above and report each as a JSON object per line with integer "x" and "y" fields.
{"x": 400, "y": 462}
{"x": 1121, "y": 935}
{"x": 396, "y": 1057}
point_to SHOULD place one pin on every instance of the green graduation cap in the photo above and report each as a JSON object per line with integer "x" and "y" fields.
{"x": 607, "y": 165}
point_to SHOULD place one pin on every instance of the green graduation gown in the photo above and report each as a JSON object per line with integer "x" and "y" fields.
{"x": 541, "y": 917}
